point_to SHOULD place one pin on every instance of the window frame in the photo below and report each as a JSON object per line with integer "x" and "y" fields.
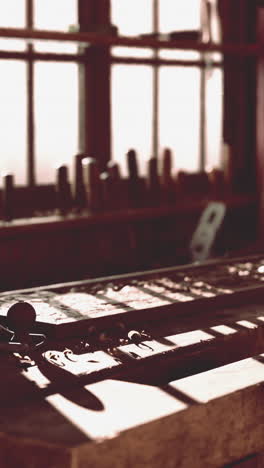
{"x": 95, "y": 64}
{"x": 29, "y": 56}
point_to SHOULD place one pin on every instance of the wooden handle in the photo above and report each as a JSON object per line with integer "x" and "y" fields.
{"x": 79, "y": 188}
{"x": 153, "y": 182}
{"x": 8, "y": 197}
{"x": 93, "y": 184}
{"x": 63, "y": 191}
{"x": 132, "y": 164}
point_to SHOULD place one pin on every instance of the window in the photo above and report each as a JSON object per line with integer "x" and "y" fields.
{"x": 39, "y": 92}
{"x": 159, "y": 98}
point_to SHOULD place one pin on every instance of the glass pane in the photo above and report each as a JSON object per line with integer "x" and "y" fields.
{"x": 176, "y": 54}
{"x": 56, "y": 15}
{"x": 131, "y": 52}
{"x": 56, "y": 117}
{"x": 131, "y": 113}
{"x": 132, "y": 19}
{"x": 179, "y": 119}
{"x": 214, "y": 117}
{"x": 13, "y": 119}
{"x": 12, "y": 44}
{"x": 12, "y": 15}
{"x": 179, "y": 15}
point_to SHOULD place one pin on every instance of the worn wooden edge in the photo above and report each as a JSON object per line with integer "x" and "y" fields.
{"x": 223, "y": 429}
{"x": 147, "y": 317}
{"x": 137, "y": 275}
{"x": 216, "y": 416}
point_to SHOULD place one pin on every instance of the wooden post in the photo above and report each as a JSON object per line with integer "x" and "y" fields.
{"x": 260, "y": 124}
{"x": 94, "y": 84}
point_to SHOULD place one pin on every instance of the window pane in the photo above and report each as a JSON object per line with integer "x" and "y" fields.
{"x": 179, "y": 16}
{"x": 132, "y": 19}
{"x": 131, "y": 52}
{"x": 13, "y": 119}
{"x": 179, "y": 119}
{"x": 56, "y": 116}
{"x": 179, "y": 54}
{"x": 131, "y": 113}
{"x": 214, "y": 116}
{"x": 55, "y": 15}
{"x": 12, "y": 15}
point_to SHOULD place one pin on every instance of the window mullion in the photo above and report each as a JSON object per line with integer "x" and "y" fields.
{"x": 203, "y": 136}
{"x": 155, "y": 130}
{"x": 30, "y": 103}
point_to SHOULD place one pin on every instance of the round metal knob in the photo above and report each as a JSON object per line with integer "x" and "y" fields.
{"x": 21, "y": 316}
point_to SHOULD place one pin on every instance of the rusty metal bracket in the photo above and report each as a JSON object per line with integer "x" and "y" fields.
{"x": 205, "y": 233}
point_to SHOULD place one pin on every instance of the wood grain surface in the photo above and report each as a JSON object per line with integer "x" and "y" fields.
{"x": 188, "y": 394}
{"x": 215, "y": 416}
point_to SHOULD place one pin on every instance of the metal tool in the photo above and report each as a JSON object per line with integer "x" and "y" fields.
{"x": 205, "y": 233}
{"x": 20, "y": 318}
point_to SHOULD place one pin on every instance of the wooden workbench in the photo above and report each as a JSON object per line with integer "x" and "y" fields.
{"x": 209, "y": 419}
{"x": 193, "y": 397}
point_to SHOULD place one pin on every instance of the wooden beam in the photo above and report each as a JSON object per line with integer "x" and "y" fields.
{"x": 159, "y": 62}
{"x": 106, "y": 40}
{"x": 54, "y": 56}
{"x": 260, "y": 124}
{"x": 94, "y": 85}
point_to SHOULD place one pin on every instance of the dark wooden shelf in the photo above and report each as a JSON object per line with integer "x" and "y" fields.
{"x": 77, "y": 221}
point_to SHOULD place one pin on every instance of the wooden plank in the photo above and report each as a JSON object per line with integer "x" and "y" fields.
{"x": 148, "y": 299}
{"x": 134, "y": 424}
{"x": 174, "y": 348}
{"x": 67, "y": 325}
{"x": 189, "y": 208}
{"x": 46, "y": 261}
{"x": 147, "y": 274}
{"x": 259, "y": 124}
{"x": 198, "y": 418}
